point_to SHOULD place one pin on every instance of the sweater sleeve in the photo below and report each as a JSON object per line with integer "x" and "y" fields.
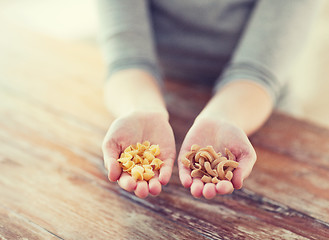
{"x": 126, "y": 36}
{"x": 270, "y": 44}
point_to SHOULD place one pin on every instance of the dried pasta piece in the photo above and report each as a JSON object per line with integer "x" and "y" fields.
{"x": 206, "y": 179}
{"x": 215, "y": 180}
{"x": 230, "y": 155}
{"x": 206, "y": 155}
{"x": 128, "y": 149}
{"x": 186, "y": 162}
{"x": 148, "y": 155}
{"x": 146, "y": 144}
{"x": 148, "y": 174}
{"x": 156, "y": 163}
{"x": 226, "y": 163}
{"x": 141, "y": 148}
{"x": 128, "y": 166}
{"x": 138, "y": 159}
{"x": 195, "y": 147}
{"x": 213, "y": 153}
{"x": 137, "y": 172}
{"x": 210, "y": 171}
{"x": 216, "y": 161}
{"x": 147, "y": 167}
{"x": 155, "y": 150}
{"x": 228, "y": 175}
{"x": 197, "y": 173}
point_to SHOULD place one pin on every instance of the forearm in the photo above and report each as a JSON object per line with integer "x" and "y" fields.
{"x": 133, "y": 90}
{"x": 243, "y": 103}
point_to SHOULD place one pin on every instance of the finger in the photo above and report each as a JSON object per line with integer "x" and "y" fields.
{"x": 154, "y": 186}
{"x": 224, "y": 187}
{"x": 166, "y": 171}
{"x": 243, "y": 171}
{"x": 114, "y": 169}
{"x": 184, "y": 174}
{"x": 111, "y": 154}
{"x": 127, "y": 182}
{"x": 197, "y": 187}
{"x": 142, "y": 189}
{"x": 209, "y": 190}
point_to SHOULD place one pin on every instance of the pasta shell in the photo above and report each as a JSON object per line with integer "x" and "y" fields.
{"x": 148, "y": 155}
{"x": 137, "y": 172}
{"x": 128, "y": 166}
{"x": 138, "y": 159}
{"x": 147, "y": 175}
{"x": 156, "y": 163}
{"x": 146, "y": 144}
{"x": 155, "y": 150}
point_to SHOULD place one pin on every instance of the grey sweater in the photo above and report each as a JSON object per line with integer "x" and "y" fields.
{"x": 210, "y": 40}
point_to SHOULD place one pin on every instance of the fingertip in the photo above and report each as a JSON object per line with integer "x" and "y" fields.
{"x": 209, "y": 190}
{"x": 224, "y": 187}
{"x": 196, "y": 188}
{"x": 186, "y": 180}
{"x": 141, "y": 190}
{"x": 154, "y": 187}
{"x": 165, "y": 174}
{"x": 114, "y": 170}
{"x": 237, "y": 179}
{"x": 127, "y": 182}
{"x": 185, "y": 176}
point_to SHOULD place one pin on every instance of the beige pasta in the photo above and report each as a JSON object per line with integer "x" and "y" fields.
{"x": 210, "y": 166}
{"x": 140, "y": 160}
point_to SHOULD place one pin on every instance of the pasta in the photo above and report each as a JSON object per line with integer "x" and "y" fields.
{"x": 140, "y": 160}
{"x": 208, "y": 165}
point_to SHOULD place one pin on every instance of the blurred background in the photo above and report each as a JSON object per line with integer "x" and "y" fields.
{"x": 76, "y": 21}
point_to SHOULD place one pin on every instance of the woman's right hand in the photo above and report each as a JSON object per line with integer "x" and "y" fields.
{"x": 139, "y": 127}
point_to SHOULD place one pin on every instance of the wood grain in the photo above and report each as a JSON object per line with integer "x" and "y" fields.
{"x": 52, "y": 180}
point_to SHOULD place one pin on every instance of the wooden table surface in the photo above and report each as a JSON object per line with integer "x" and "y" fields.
{"x": 53, "y": 184}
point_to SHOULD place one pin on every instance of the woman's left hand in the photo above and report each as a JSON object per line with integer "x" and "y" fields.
{"x": 219, "y": 134}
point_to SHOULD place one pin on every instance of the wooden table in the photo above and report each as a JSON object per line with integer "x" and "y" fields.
{"x": 53, "y": 184}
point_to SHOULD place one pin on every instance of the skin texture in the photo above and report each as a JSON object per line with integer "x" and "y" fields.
{"x": 236, "y": 111}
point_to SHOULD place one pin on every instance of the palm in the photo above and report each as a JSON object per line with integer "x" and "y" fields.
{"x": 220, "y": 135}
{"x": 139, "y": 128}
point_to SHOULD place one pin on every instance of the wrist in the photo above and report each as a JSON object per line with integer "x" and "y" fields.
{"x": 242, "y": 103}
{"x": 134, "y": 91}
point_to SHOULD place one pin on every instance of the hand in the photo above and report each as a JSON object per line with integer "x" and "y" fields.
{"x": 220, "y": 134}
{"x": 133, "y": 128}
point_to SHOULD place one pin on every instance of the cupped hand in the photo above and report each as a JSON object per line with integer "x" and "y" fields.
{"x": 219, "y": 134}
{"x": 133, "y": 128}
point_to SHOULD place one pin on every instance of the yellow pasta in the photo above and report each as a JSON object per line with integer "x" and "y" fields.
{"x": 148, "y": 174}
{"x": 128, "y": 166}
{"x": 137, "y": 172}
{"x": 156, "y": 163}
{"x": 140, "y": 160}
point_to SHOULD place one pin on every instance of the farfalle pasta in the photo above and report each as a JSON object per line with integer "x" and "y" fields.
{"x": 140, "y": 160}
{"x": 209, "y": 165}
